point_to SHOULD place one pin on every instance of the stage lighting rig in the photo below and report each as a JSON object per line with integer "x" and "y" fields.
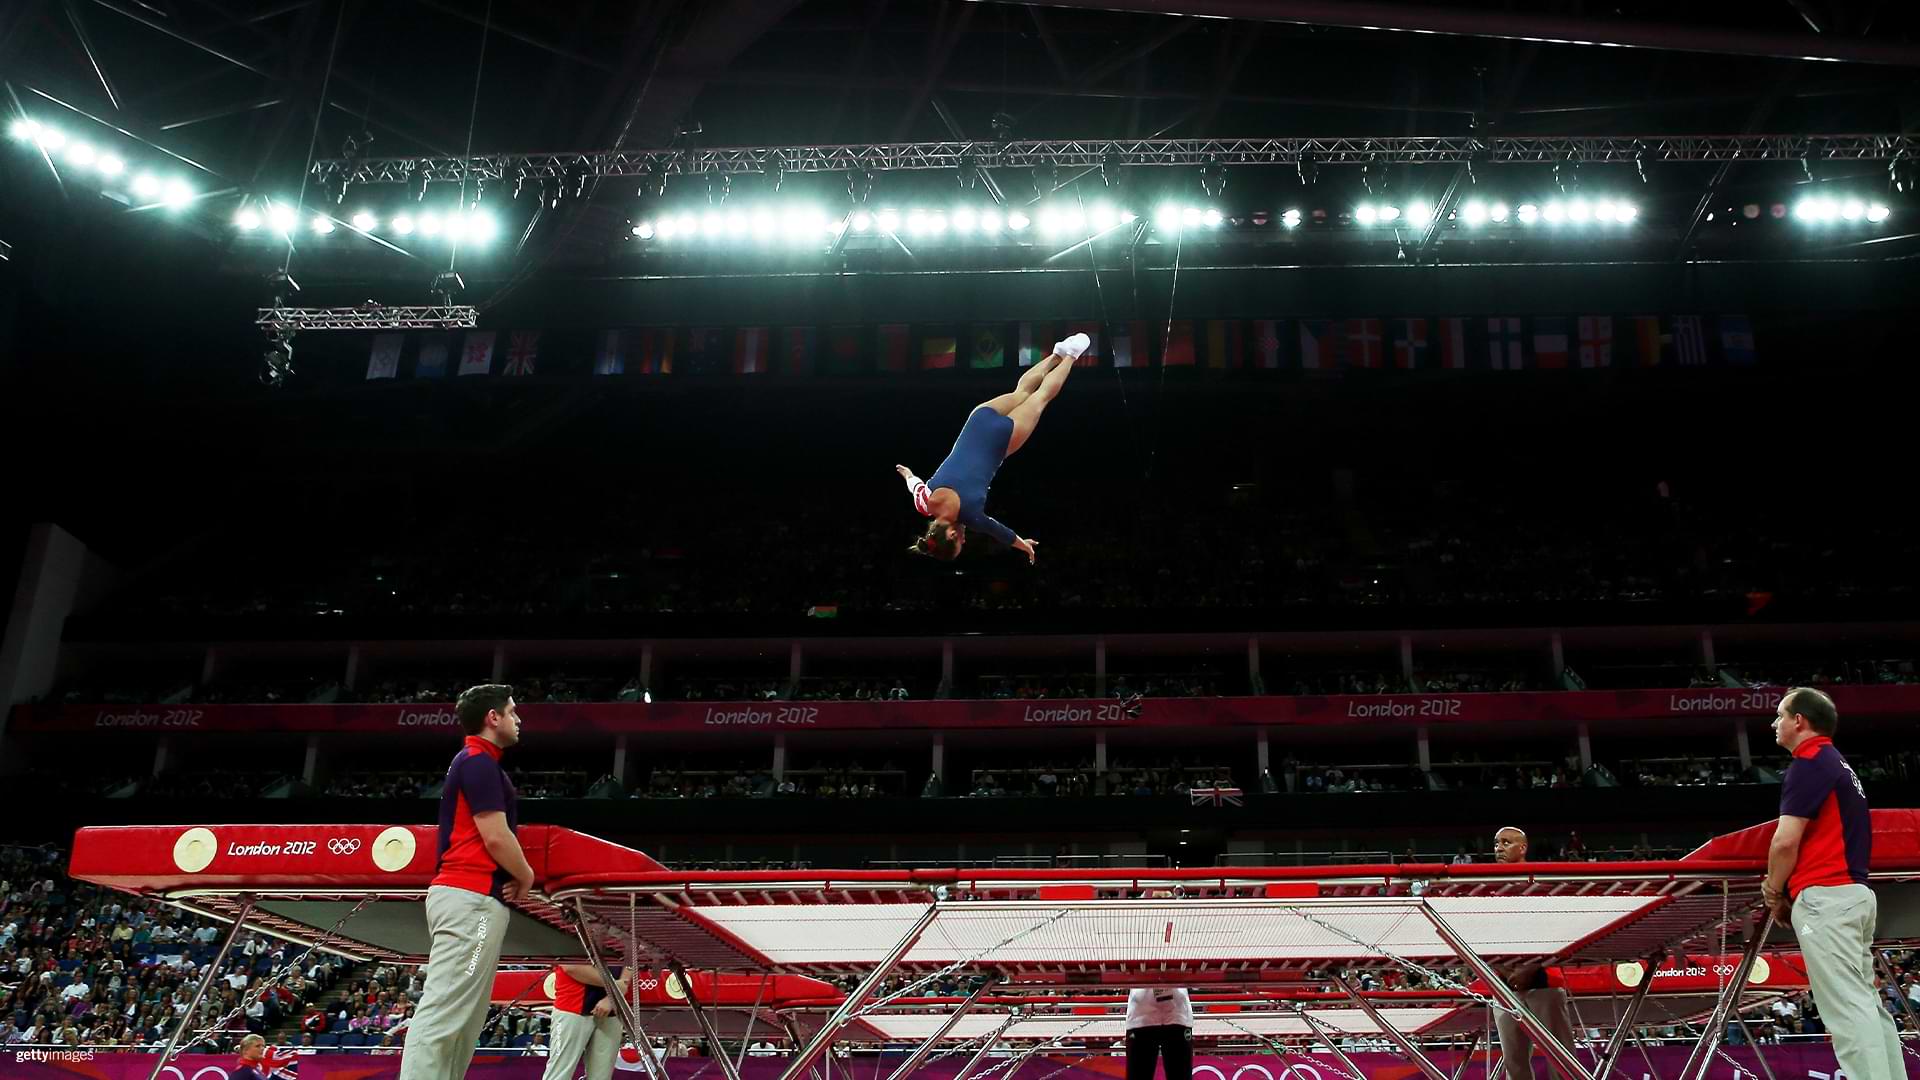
{"x": 277, "y": 361}
{"x": 447, "y": 287}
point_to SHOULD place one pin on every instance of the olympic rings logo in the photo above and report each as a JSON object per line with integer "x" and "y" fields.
{"x": 1301, "y": 1071}
{"x": 343, "y": 845}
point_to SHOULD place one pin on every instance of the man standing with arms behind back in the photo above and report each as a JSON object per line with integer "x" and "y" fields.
{"x": 1817, "y": 880}
{"x": 1549, "y": 1004}
{"x": 481, "y": 870}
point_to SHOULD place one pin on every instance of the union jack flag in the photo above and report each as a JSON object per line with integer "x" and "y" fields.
{"x": 1216, "y": 796}
{"x": 279, "y": 1061}
{"x": 523, "y": 350}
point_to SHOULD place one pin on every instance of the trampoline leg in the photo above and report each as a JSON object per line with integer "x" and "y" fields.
{"x": 1549, "y": 1043}
{"x": 1466, "y": 1059}
{"x": 1326, "y": 1040}
{"x": 701, "y": 1017}
{"x": 793, "y": 1038}
{"x": 1405, "y": 1044}
{"x": 1759, "y": 1055}
{"x": 920, "y": 1055}
{"x": 1618, "y": 1042}
{"x": 980, "y": 1056}
{"x": 200, "y": 991}
{"x": 1702, "y": 1053}
{"x": 806, "y": 1055}
{"x": 656, "y": 1068}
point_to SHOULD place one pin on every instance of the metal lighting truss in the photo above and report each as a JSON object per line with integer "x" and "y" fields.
{"x": 1094, "y": 153}
{"x": 430, "y": 317}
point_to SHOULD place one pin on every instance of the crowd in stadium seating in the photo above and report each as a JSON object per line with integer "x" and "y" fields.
{"x": 81, "y": 966}
{"x": 1191, "y": 542}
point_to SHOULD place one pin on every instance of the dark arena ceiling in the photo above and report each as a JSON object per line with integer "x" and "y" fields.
{"x": 1632, "y": 131}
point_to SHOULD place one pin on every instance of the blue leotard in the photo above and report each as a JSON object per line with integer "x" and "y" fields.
{"x": 969, "y": 469}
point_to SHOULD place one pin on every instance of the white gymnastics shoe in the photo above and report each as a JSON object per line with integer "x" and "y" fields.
{"x": 1073, "y": 346}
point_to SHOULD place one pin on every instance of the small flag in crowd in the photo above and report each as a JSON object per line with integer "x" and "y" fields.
{"x": 1364, "y": 343}
{"x": 1126, "y": 336}
{"x": 1032, "y": 349}
{"x": 1550, "y": 342}
{"x": 1689, "y": 343}
{"x": 1226, "y": 343}
{"x": 939, "y": 349}
{"x": 1644, "y": 333}
{"x": 843, "y": 350}
{"x": 1177, "y": 348}
{"x": 656, "y": 350}
{"x": 797, "y": 350}
{"x": 988, "y": 350}
{"x": 1503, "y": 344}
{"x": 824, "y": 611}
{"x": 1410, "y": 344}
{"x": 610, "y": 358}
{"x": 1323, "y": 344}
{"x": 1453, "y": 344}
{"x": 1266, "y": 342}
{"x": 1090, "y": 358}
{"x": 891, "y": 342}
{"x": 384, "y": 362}
{"x": 432, "y": 363}
{"x": 477, "y": 357}
{"x": 1596, "y": 341}
{"x": 751, "y": 344}
{"x": 523, "y": 348}
{"x": 1736, "y": 339}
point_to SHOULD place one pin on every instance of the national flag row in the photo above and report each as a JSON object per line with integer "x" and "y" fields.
{"x": 1459, "y": 343}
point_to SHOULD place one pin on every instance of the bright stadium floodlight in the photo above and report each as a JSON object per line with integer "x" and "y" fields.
{"x": 1529, "y": 213}
{"x": 1555, "y": 213}
{"x": 990, "y": 220}
{"x": 1878, "y": 212}
{"x": 712, "y": 224}
{"x": 666, "y": 227}
{"x": 1189, "y": 216}
{"x": 1625, "y": 212}
{"x": 403, "y": 224}
{"x": 110, "y": 165}
{"x": 176, "y": 194}
{"x": 1365, "y": 214}
{"x": 80, "y": 155}
{"x": 964, "y": 219}
{"x": 281, "y": 218}
{"x": 146, "y": 186}
{"x": 1103, "y": 217}
{"x": 738, "y": 224}
{"x": 247, "y": 220}
{"x": 1603, "y": 212}
{"x": 430, "y": 224}
{"x": 1018, "y": 221}
{"x": 1128, "y": 217}
{"x": 365, "y": 222}
{"x": 1474, "y": 213}
{"x": 1497, "y": 212}
{"x": 1579, "y": 211}
{"x": 1212, "y": 218}
{"x": 481, "y": 226}
{"x": 322, "y": 224}
{"x": 50, "y": 138}
{"x": 916, "y": 222}
{"x": 862, "y": 221}
{"x": 1418, "y": 214}
{"x": 644, "y": 230}
{"x": 1290, "y": 219}
{"x": 1166, "y": 217}
{"x": 1389, "y": 213}
{"x": 1825, "y": 209}
{"x": 888, "y": 220}
{"x": 24, "y": 129}
{"x": 1050, "y": 221}
{"x": 1852, "y": 210}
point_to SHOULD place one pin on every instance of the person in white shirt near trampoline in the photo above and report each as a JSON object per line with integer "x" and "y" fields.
{"x": 1159, "y": 1026}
